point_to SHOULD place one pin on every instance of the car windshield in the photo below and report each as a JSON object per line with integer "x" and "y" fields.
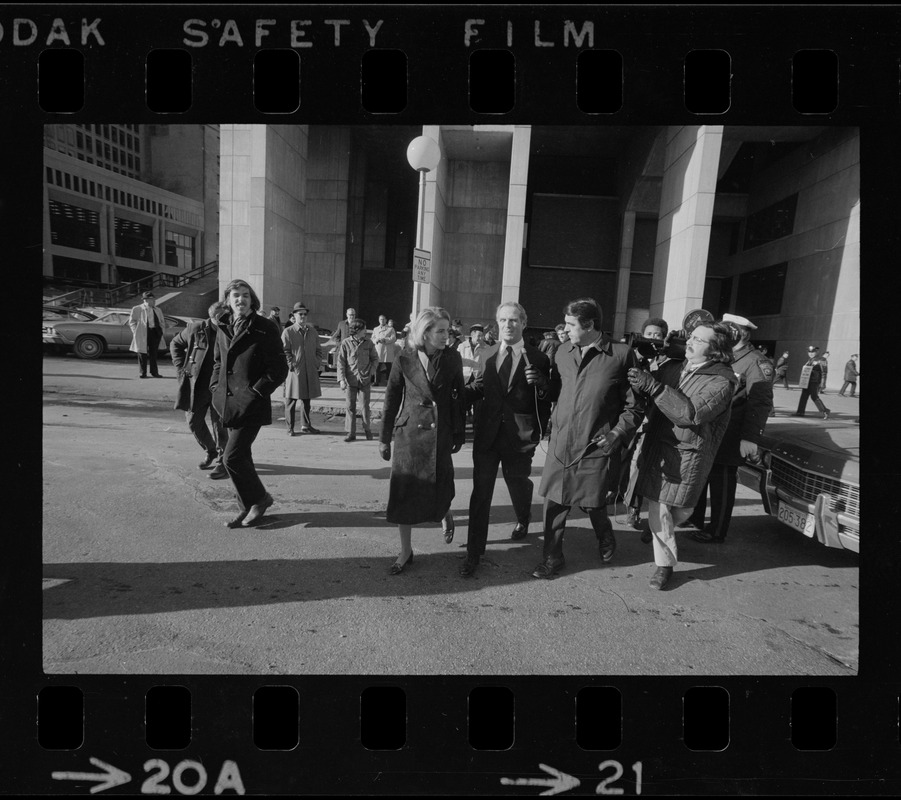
{"x": 59, "y": 314}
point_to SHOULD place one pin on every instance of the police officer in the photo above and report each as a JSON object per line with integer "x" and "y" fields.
{"x": 751, "y": 405}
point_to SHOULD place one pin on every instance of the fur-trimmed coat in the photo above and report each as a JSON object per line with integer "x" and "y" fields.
{"x": 685, "y": 427}
{"x": 425, "y": 420}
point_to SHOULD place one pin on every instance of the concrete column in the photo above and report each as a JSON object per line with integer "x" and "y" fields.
{"x": 625, "y": 268}
{"x": 516, "y": 213}
{"x": 432, "y": 220}
{"x": 686, "y": 211}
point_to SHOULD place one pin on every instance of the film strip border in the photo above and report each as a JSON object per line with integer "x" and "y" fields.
{"x": 500, "y": 64}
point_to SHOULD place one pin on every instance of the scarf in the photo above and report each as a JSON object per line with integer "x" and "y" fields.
{"x": 237, "y": 324}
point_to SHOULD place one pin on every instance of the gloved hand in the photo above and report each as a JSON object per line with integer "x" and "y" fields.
{"x": 385, "y": 451}
{"x": 644, "y": 382}
{"x": 459, "y": 438}
{"x": 535, "y": 377}
{"x": 608, "y": 443}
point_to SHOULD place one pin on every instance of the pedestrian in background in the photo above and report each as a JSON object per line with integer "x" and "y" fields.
{"x": 851, "y": 375}
{"x": 248, "y": 366}
{"x": 752, "y": 402}
{"x": 597, "y": 414}
{"x": 811, "y": 377}
{"x": 147, "y": 323}
{"x": 549, "y": 344}
{"x": 303, "y": 354}
{"x": 689, "y": 412}
{"x": 423, "y": 417}
{"x": 192, "y": 351}
{"x": 357, "y": 364}
{"x": 470, "y": 354}
{"x": 781, "y": 373}
{"x": 344, "y": 329}
{"x": 275, "y": 316}
{"x": 384, "y": 336}
{"x": 512, "y": 384}
{"x": 824, "y": 365}
{"x": 562, "y": 333}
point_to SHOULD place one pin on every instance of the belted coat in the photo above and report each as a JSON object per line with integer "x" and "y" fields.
{"x": 247, "y": 369}
{"x": 595, "y": 398}
{"x": 192, "y": 353}
{"x": 425, "y": 420}
{"x": 685, "y": 427}
{"x": 303, "y": 354}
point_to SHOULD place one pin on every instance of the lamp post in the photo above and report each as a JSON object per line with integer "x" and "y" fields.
{"x": 423, "y": 154}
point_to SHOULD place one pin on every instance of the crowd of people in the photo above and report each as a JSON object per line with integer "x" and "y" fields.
{"x": 666, "y": 418}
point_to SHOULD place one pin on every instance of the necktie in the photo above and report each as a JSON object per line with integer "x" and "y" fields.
{"x": 506, "y": 368}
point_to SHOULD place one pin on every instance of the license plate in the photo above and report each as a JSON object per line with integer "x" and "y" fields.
{"x": 798, "y": 520}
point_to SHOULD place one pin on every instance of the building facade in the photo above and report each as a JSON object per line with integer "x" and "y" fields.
{"x": 759, "y": 221}
{"x": 122, "y": 202}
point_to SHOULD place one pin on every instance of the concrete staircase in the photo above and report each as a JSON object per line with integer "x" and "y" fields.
{"x": 192, "y": 300}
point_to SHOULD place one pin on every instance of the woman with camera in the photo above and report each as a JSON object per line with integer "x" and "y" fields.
{"x": 690, "y": 404}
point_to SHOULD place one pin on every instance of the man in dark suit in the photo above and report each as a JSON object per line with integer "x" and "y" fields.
{"x": 512, "y": 382}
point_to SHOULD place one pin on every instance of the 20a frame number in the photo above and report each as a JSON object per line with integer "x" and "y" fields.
{"x": 193, "y": 782}
{"x": 604, "y": 786}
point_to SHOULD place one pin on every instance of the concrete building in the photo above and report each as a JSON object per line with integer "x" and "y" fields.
{"x": 122, "y": 202}
{"x": 759, "y": 221}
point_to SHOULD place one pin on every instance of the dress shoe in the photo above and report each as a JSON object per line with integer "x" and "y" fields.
{"x": 448, "y": 527}
{"x": 660, "y": 577}
{"x": 548, "y": 568}
{"x": 520, "y": 531}
{"x": 633, "y": 519}
{"x": 691, "y": 524}
{"x": 210, "y": 458}
{"x": 156, "y": 375}
{"x": 350, "y": 438}
{"x": 468, "y": 567}
{"x": 396, "y": 568}
{"x": 826, "y": 415}
{"x": 646, "y": 537}
{"x": 308, "y": 429}
{"x": 142, "y": 376}
{"x": 706, "y": 536}
{"x": 257, "y": 511}
{"x": 607, "y": 547}
{"x": 237, "y": 521}
{"x": 218, "y": 472}
{"x": 291, "y": 432}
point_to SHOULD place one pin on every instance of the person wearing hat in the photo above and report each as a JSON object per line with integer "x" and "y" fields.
{"x": 303, "y": 353}
{"x": 751, "y": 406}
{"x": 851, "y": 374}
{"x": 357, "y": 363}
{"x": 147, "y": 323}
{"x": 812, "y": 390}
{"x": 384, "y": 336}
{"x": 275, "y": 316}
{"x": 470, "y": 351}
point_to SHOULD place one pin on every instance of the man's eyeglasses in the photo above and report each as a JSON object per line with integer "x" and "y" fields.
{"x": 696, "y": 340}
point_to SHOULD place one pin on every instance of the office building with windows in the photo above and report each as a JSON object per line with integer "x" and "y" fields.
{"x": 122, "y": 202}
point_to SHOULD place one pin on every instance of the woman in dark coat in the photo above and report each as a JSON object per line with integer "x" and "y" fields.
{"x": 423, "y": 414}
{"x": 248, "y": 366}
{"x": 690, "y": 404}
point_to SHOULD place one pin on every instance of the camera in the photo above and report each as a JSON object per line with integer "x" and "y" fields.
{"x": 674, "y": 344}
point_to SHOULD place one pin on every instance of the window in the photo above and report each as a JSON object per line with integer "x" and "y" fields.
{"x": 772, "y": 222}
{"x": 760, "y": 291}
{"x": 179, "y": 250}
{"x": 134, "y": 240}
{"x": 73, "y": 226}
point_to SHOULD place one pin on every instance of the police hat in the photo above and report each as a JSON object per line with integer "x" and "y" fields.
{"x": 476, "y": 327}
{"x": 743, "y": 321}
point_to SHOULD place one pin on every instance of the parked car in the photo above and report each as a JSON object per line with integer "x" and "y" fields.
{"x": 107, "y": 333}
{"x": 61, "y": 313}
{"x": 809, "y": 479}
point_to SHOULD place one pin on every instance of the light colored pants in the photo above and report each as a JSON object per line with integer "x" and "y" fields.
{"x": 350, "y": 419}
{"x": 663, "y": 520}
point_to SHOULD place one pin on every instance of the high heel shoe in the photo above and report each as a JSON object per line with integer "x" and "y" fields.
{"x": 448, "y": 527}
{"x": 397, "y": 567}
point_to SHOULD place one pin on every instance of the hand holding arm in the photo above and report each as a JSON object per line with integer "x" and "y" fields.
{"x": 644, "y": 382}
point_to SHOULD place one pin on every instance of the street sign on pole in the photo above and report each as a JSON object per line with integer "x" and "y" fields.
{"x": 422, "y": 265}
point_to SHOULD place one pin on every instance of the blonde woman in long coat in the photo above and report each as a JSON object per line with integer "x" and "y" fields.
{"x": 303, "y": 352}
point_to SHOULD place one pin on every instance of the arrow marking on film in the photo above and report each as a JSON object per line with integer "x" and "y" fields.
{"x": 110, "y": 777}
{"x": 561, "y": 782}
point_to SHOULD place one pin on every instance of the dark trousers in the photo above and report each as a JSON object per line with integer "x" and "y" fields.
{"x": 555, "y": 523}
{"x": 813, "y": 392}
{"x": 845, "y": 385}
{"x": 516, "y": 468}
{"x": 238, "y": 462}
{"x": 722, "y": 483}
{"x": 211, "y": 442}
{"x": 784, "y": 379}
{"x": 153, "y": 343}
{"x": 291, "y": 413}
{"x": 383, "y": 369}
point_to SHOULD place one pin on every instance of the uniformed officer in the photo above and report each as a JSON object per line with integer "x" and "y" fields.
{"x": 751, "y": 405}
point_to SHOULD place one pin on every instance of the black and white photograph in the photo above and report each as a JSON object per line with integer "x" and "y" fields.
{"x": 502, "y": 336}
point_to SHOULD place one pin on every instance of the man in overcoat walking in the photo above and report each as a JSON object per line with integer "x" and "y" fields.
{"x": 512, "y": 383}
{"x": 597, "y": 414}
{"x": 192, "y": 353}
{"x": 147, "y": 323}
{"x": 304, "y": 356}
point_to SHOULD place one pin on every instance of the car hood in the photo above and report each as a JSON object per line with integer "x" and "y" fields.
{"x": 830, "y": 448}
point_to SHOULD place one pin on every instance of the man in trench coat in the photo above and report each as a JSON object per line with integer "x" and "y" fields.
{"x": 192, "y": 356}
{"x": 596, "y": 415}
{"x": 303, "y": 353}
{"x": 147, "y": 323}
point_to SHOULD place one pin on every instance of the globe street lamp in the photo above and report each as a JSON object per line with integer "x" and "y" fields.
{"x": 423, "y": 154}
